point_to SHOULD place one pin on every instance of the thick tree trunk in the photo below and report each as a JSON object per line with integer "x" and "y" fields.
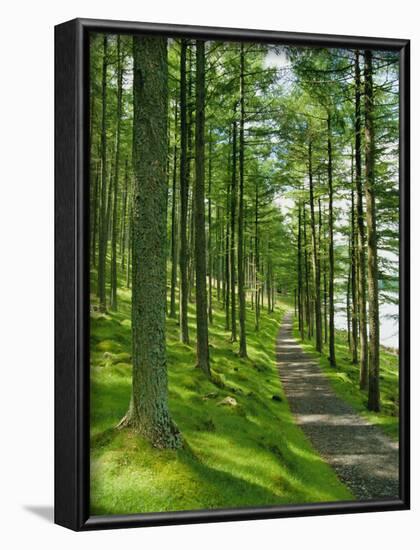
{"x": 148, "y": 413}
{"x": 361, "y": 262}
{"x": 241, "y": 267}
{"x": 183, "y": 251}
{"x": 203, "y": 360}
{"x": 331, "y": 249}
{"x": 315, "y": 263}
{"x": 373, "y": 393}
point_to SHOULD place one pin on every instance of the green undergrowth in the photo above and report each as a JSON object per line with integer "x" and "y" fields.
{"x": 248, "y": 454}
{"x": 345, "y": 381}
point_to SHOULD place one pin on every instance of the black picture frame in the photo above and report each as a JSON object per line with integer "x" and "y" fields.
{"x": 72, "y": 276}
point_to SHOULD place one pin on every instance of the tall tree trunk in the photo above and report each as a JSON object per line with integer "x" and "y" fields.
{"x": 257, "y": 260}
{"x": 218, "y": 252}
{"x": 353, "y": 259}
{"x": 374, "y": 392}
{"x": 307, "y": 290}
{"x": 114, "y": 280}
{"x": 190, "y": 158}
{"x": 203, "y": 360}
{"x": 227, "y": 259}
{"x": 331, "y": 249}
{"x": 233, "y": 199}
{"x": 129, "y": 245}
{"x": 183, "y": 251}
{"x": 315, "y": 263}
{"x": 361, "y": 261}
{"x": 241, "y": 267}
{"x": 148, "y": 412}
{"x": 209, "y": 240}
{"x": 174, "y": 231}
{"x": 103, "y": 227}
{"x": 95, "y": 210}
{"x": 123, "y": 238}
{"x": 348, "y": 304}
{"x": 325, "y": 269}
{"x": 299, "y": 270}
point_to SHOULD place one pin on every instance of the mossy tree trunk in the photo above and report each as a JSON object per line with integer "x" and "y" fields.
{"x": 148, "y": 413}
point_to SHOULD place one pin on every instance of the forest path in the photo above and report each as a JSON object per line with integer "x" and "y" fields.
{"x": 363, "y": 457}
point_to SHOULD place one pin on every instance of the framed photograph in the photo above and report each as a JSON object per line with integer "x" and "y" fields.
{"x": 232, "y": 274}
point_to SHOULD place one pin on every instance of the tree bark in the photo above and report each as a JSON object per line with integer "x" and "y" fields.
{"x": 315, "y": 263}
{"x": 353, "y": 259}
{"x": 257, "y": 260}
{"x": 233, "y": 199}
{"x": 361, "y": 262}
{"x": 227, "y": 259}
{"x": 183, "y": 251}
{"x": 241, "y": 267}
{"x": 174, "y": 232}
{"x": 374, "y": 392}
{"x": 123, "y": 241}
{"x": 209, "y": 240}
{"x": 331, "y": 249}
{"x": 148, "y": 413}
{"x": 103, "y": 227}
{"x": 203, "y": 360}
{"x": 307, "y": 290}
{"x": 114, "y": 280}
{"x": 299, "y": 270}
{"x": 95, "y": 210}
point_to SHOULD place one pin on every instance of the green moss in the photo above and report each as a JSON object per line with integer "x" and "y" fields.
{"x": 251, "y": 454}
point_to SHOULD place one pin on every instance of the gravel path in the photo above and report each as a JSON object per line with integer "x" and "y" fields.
{"x": 363, "y": 457}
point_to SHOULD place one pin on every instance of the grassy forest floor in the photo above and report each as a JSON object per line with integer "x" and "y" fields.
{"x": 251, "y": 454}
{"x": 345, "y": 381}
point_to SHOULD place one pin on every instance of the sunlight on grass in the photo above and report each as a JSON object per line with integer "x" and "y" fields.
{"x": 251, "y": 454}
